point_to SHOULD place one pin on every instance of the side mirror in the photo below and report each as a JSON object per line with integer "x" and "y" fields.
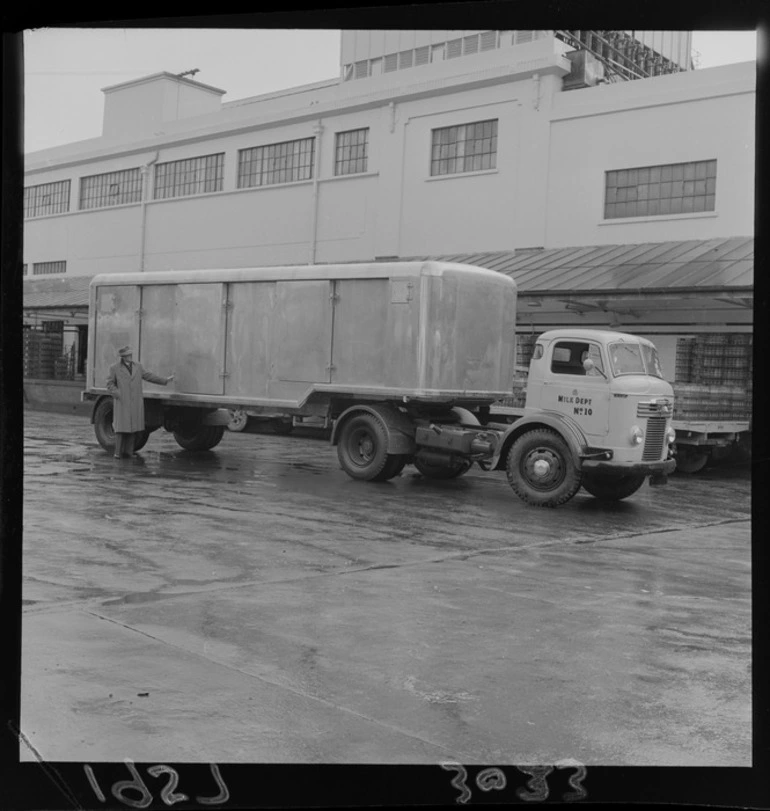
{"x": 590, "y": 366}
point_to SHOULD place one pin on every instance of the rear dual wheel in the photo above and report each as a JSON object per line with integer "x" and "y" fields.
{"x": 363, "y": 450}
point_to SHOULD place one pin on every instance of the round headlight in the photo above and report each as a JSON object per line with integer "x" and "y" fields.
{"x": 637, "y": 435}
{"x": 671, "y": 435}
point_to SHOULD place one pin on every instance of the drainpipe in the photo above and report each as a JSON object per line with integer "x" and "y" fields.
{"x": 317, "y": 131}
{"x": 145, "y": 193}
{"x": 536, "y": 81}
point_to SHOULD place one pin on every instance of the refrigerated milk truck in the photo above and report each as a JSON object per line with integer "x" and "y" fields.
{"x": 403, "y": 359}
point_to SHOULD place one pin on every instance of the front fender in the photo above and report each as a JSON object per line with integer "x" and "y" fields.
{"x": 399, "y": 427}
{"x": 564, "y": 426}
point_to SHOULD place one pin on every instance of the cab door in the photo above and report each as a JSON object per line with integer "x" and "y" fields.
{"x": 571, "y": 390}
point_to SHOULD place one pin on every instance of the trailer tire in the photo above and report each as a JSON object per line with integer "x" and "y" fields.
{"x": 105, "y": 434}
{"x": 541, "y": 470}
{"x": 204, "y": 438}
{"x": 442, "y": 472}
{"x": 363, "y": 450}
{"x": 690, "y": 462}
{"x": 612, "y": 488}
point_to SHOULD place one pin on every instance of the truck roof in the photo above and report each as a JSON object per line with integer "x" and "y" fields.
{"x": 351, "y": 270}
{"x": 584, "y": 334}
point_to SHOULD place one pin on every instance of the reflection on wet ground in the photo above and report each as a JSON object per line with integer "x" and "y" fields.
{"x": 448, "y": 613}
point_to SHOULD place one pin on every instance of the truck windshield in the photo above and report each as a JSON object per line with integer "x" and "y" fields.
{"x": 634, "y": 359}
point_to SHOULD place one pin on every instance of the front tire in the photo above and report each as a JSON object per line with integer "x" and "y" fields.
{"x": 541, "y": 470}
{"x": 615, "y": 488}
{"x": 363, "y": 450}
{"x": 204, "y": 438}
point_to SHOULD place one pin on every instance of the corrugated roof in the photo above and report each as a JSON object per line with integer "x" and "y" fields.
{"x": 71, "y": 291}
{"x": 646, "y": 267}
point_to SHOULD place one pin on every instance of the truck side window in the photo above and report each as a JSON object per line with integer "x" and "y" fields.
{"x": 595, "y": 354}
{"x": 567, "y": 358}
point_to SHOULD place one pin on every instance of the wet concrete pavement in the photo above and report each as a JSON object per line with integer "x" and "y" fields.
{"x": 254, "y": 604}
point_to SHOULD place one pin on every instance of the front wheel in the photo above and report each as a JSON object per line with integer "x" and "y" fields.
{"x": 363, "y": 450}
{"x": 541, "y": 470}
{"x": 612, "y": 488}
{"x": 203, "y": 438}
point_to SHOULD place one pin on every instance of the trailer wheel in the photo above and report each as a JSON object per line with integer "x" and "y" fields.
{"x": 541, "y": 470}
{"x": 690, "y": 461}
{"x": 363, "y": 450}
{"x": 612, "y": 488}
{"x": 203, "y": 438}
{"x": 105, "y": 435}
{"x": 434, "y": 471}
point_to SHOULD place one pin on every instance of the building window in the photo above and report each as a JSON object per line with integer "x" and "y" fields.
{"x": 465, "y": 148}
{"x": 48, "y": 198}
{"x": 286, "y": 162}
{"x": 454, "y": 48}
{"x": 488, "y": 40}
{"x": 674, "y": 188}
{"x": 191, "y": 176}
{"x": 422, "y": 55}
{"x": 24, "y": 269}
{"x": 111, "y": 189}
{"x": 351, "y": 152}
{"x": 391, "y": 62}
{"x": 46, "y": 268}
{"x": 361, "y": 69}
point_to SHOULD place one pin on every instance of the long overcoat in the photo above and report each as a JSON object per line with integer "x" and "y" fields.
{"x": 128, "y": 401}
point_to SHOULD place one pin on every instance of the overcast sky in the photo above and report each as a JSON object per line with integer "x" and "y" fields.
{"x": 66, "y": 69}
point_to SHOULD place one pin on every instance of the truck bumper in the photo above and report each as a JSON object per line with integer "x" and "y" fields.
{"x": 631, "y": 468}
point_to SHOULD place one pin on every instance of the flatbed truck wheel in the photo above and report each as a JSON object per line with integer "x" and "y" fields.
{"x": 362, "y": 450}
{"x": 204, "y": 438}
{"x": 690, "y": 461}
{"x": 612, "y": 488}
{"x": 541, "y": 470}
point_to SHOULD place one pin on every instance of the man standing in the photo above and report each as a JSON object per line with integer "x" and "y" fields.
{"x": 124, "y": 382}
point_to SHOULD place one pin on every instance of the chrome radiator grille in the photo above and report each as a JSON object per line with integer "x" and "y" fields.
{"x": 654, "y": 439}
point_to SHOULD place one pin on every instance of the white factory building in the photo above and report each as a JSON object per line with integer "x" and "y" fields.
{"x": 509, "y": 149}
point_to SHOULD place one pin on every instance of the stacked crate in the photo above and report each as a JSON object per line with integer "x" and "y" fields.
{"x": 713, "y": 377}
{"x": 40, "y": 351}
{"x": 525, "y": 346}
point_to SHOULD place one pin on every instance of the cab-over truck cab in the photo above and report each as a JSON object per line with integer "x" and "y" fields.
{"x": 597, "y": 413}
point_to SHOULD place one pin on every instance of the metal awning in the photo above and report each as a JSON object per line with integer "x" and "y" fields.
{"x": 664, "y": 284}
{"x": 704, "y": 283}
